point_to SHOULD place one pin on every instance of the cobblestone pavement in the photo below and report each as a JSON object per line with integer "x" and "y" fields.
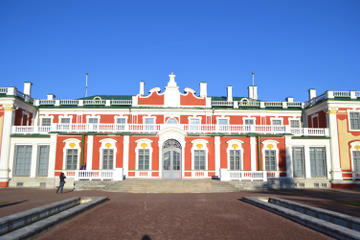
{"x": 179, "y": 216}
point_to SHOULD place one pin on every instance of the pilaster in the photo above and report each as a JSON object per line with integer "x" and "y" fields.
{"x": 217, "y": 155}
{"x": 253, "y": 153}
{"x": 89, "y": 152}
{"x": 126, "y": 155}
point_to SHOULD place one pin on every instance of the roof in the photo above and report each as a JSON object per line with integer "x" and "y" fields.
{"x": 108, "y": 97}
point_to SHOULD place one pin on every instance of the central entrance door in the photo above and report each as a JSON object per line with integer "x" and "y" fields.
{"x": 171, "y": 159}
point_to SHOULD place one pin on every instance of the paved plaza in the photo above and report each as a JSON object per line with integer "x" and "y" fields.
{"x": 180, "y": 216}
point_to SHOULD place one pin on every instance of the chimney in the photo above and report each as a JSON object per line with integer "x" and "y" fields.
{"x": 27, "y": 88}
{"x": 142, "y": 87}
{"x": 50, "y": 96}
{"x": 252, "y": 92}
{"x": 290, "y": 99}
{"x": 229, "y": 94}
{"x": 312, "y": 93}
{"x": 203, "y": 89}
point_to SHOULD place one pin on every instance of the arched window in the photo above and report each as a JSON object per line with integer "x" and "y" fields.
{"x": 172, "y": 121}
{"x": 143, "y": 154}
{"x": 355, "y": 156}
{"x": 235, "y": 154}
{"x": 271, "y": 155}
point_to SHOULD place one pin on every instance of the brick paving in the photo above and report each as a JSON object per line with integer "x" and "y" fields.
{"x": 179, "y": 216}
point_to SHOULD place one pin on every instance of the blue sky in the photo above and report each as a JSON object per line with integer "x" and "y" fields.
{"x": 290, "y": 45}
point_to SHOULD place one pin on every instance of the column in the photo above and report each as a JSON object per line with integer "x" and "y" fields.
{"x": 289, "y": 172}
{"x": 253, "y": 153}
{"x": 217, "y": 156}
{"x": 34, "y": 154}
{"x": 89, "y": 152}
{"x": 52, "y": 155}
{"x": 5, "y": 145}
{"x": 126, "y": 155}
{"x": 336, "y": 173}
{"x": 307, "y": 162}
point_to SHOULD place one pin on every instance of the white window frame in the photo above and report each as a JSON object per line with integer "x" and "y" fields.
{"x": 222, "y": 127}
{"x": 103, "y": 146}
{"x": 295, "y": 119}
{"x": 249, "y": 118}
{"x": 51, "y": 120}
{"x": 64, "y": 117}
{"x": 350, "y": 128}
{"x": 266, "y": 147}
{"x": 66, "y": 147}
{"x": 194, "y": 127}
{"x": 88, "y": 118}
{"x": 353, "y": 144}
{"x": 121, "y": 126}
{"x": 194, "y": 147}
{"x": 139, "y": 142}
{"x": 231, "y": 147}
{"x": 277, "y": 119}
{"x": 167, "y": 121}
{"x": 305, "y": 160}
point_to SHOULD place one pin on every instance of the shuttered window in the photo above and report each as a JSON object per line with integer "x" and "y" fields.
{"x": 298, "y": 162}
{"x": 318, "y": 162}
{"x": 43, "y": 161}
{"x": 22, "y": 160}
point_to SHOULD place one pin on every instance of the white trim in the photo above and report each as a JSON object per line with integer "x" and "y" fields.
{"x": 349, "y": 120}
{"x": 249, "y": 118}
{"x": 67, "y": 142}
{"x": 112, "y": 147}
{"x": 89, "y": 155}
{"x": 230, "y": 143}
{"x": 92, "y": 116}
{"x": 266, "y": 147}
{"x": 353, "y": 144}
{"x": 65, "y": 116}
{"x": 316, "y": 115}
{"x": 277, "y": 119}
{"x": 204, "y": 147}
{"x": 47, "y": 116}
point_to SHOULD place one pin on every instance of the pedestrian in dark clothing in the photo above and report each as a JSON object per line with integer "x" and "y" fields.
{"x": 62, "y": 183}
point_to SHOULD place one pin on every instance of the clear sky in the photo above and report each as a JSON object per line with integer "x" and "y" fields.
{"x": 291, "y": 45}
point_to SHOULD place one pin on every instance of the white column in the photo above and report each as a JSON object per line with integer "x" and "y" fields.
{"x": 33, "y": 165}
{"x": 52, "y": 155}
{"x": 217, "y": 155}
{"x": 307, "y": 162}
{"x": 126, "y": 155}
{"x": 89, "y": 152}
{"x": 336, "y": 173}
{"x": 5, "y": 145}
{"x": 289, "y": 172}
{"x": 253, "y": 153}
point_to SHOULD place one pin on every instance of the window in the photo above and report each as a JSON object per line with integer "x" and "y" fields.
{"x": 318, "y": 162}
{"x": 120, "y": 123}
{"x": 249, "y": 121}
{"x": 194, "y": 124}
{"x": 270, "y": 160}
{"x": 108, "y": 159}
{"x": 356, "y": 161}
{"x": 144, "y": 159}
{"x": 71, "y": 159}
{"x": 355, "y": 120}
{"x": 235, "y": 160}
{"x": 199, "y": 159}
{"x": 295, "y": 123}
{"x": 149, "y": 124}
{"x": 93, "y": 120}
{"x": 22, "y": 160}
{"x": 223, "y": 124}
{"x": 65, "y": 121}
{"x": 46, "y": 122}
{"x": 172, "y": 121}
{"x": 276, "y": 122}
{"x": 93, "y": 124}
{"x": 43, "y": 161}
{"x": 298, "y": 162}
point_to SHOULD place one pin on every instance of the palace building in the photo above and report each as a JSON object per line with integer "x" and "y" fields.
{"x": 172, "y": 134}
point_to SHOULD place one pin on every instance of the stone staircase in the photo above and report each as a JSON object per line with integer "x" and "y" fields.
{"x": 158, "y": 186}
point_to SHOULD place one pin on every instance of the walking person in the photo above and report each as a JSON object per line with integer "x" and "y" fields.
{"x": 62, "y": 183}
